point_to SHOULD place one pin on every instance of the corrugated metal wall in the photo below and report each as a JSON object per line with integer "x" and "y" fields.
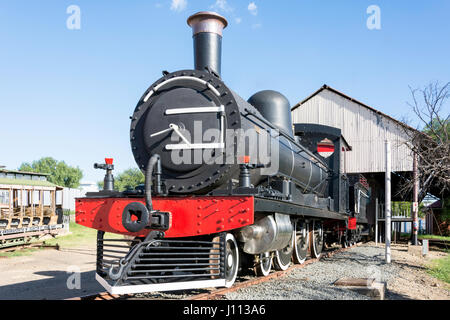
{"x": 68, "y": 197}
{"x": 365, "y": 130}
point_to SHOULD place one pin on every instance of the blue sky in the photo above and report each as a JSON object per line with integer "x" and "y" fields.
{"x": 69, "y": 93}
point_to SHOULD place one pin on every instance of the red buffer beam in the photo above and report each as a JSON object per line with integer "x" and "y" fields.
{"x": 190, "y": 216}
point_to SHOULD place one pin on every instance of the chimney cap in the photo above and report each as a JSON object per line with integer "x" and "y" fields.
{"x": 207, "y": 21}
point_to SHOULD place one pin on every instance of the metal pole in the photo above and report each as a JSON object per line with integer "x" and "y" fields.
{"x": 415, "y": 206}
{"x": 387, "y": 206}
{"x": 376, "y": 221}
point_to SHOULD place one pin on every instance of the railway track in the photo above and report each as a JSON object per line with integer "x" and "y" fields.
{"x": 22, "y": 246}
{"x": 20, "y": 240}
{"x": 440, "y": 244}
{"x": 432, "y": 243}
{"x": 219, "y": 293}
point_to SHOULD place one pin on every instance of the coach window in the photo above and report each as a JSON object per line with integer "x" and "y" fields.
{"x": 4, "y": 197}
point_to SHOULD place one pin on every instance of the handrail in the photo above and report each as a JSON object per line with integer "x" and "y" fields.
{"x": 288, "y": 137}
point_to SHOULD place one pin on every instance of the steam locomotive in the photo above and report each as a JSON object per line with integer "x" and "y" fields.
{"x": 230, "y": 185}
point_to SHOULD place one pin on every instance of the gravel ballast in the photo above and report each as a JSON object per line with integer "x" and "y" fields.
{"x": 405, "y": 278}
{"x": 315, "y": 281}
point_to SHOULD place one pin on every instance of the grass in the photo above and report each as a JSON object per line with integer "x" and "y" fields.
{"x": 426, "y": 236}
{"x": 18, "y": 253}
{"x": 440, "y": 268}
{"x": 80, "y": 237}
{"x": 429, "y": 236}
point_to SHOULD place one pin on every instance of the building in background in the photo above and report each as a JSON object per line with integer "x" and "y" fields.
{"x": 366, "y": 130}
{"x": 437, "y": 218}
{"x": 88, "y": 186}
{"x": 71, "y": 194}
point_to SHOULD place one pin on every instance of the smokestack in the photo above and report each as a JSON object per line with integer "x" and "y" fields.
{"x": 207, "y": 30}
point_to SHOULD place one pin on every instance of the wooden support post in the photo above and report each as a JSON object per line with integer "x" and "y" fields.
{"x": 376, "y": 221}
{"x": 395, "y": 232}
{"x": 387, "y": 209}
{"x": 415, "y": 205}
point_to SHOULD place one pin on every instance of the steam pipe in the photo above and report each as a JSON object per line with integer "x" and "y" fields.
{"x": 154, "y": 160}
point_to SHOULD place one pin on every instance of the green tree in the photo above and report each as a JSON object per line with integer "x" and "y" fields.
{"x": 127, "y": 180}
{"x": 59, "y": 172}
{"x": 438, "y": 130}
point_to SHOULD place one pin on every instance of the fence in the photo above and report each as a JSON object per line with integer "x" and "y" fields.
{"x": 399, "y": 210}
{"x": 69, "y": 196}
{"x": 401, "y": 220}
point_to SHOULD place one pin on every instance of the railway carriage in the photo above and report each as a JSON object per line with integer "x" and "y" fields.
{"x": 28, "y": 206}
{"x": 230, "y": 185}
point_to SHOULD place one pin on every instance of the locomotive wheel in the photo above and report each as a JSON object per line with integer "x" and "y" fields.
{"x": 283, "y": 257}
{"x": 301, "y": 242}
{"x": 231, "y": 260}
{"x": 316, "y": 239}
{"x": 263, "y": 264}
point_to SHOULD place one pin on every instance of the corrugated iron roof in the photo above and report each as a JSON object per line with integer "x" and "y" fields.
{"x": 24, "y": 172}
{"x": 435, "y": 205}
{"x": 27, "y": 182}
{"x": 326, "y": 87}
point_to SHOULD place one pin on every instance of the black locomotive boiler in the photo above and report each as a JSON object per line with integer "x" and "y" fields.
{"x": 231, "y": 185}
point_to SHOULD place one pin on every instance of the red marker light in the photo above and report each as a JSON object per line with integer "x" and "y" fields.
{"x": 109, "y": 160}
{"x": 245, "y": 159}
